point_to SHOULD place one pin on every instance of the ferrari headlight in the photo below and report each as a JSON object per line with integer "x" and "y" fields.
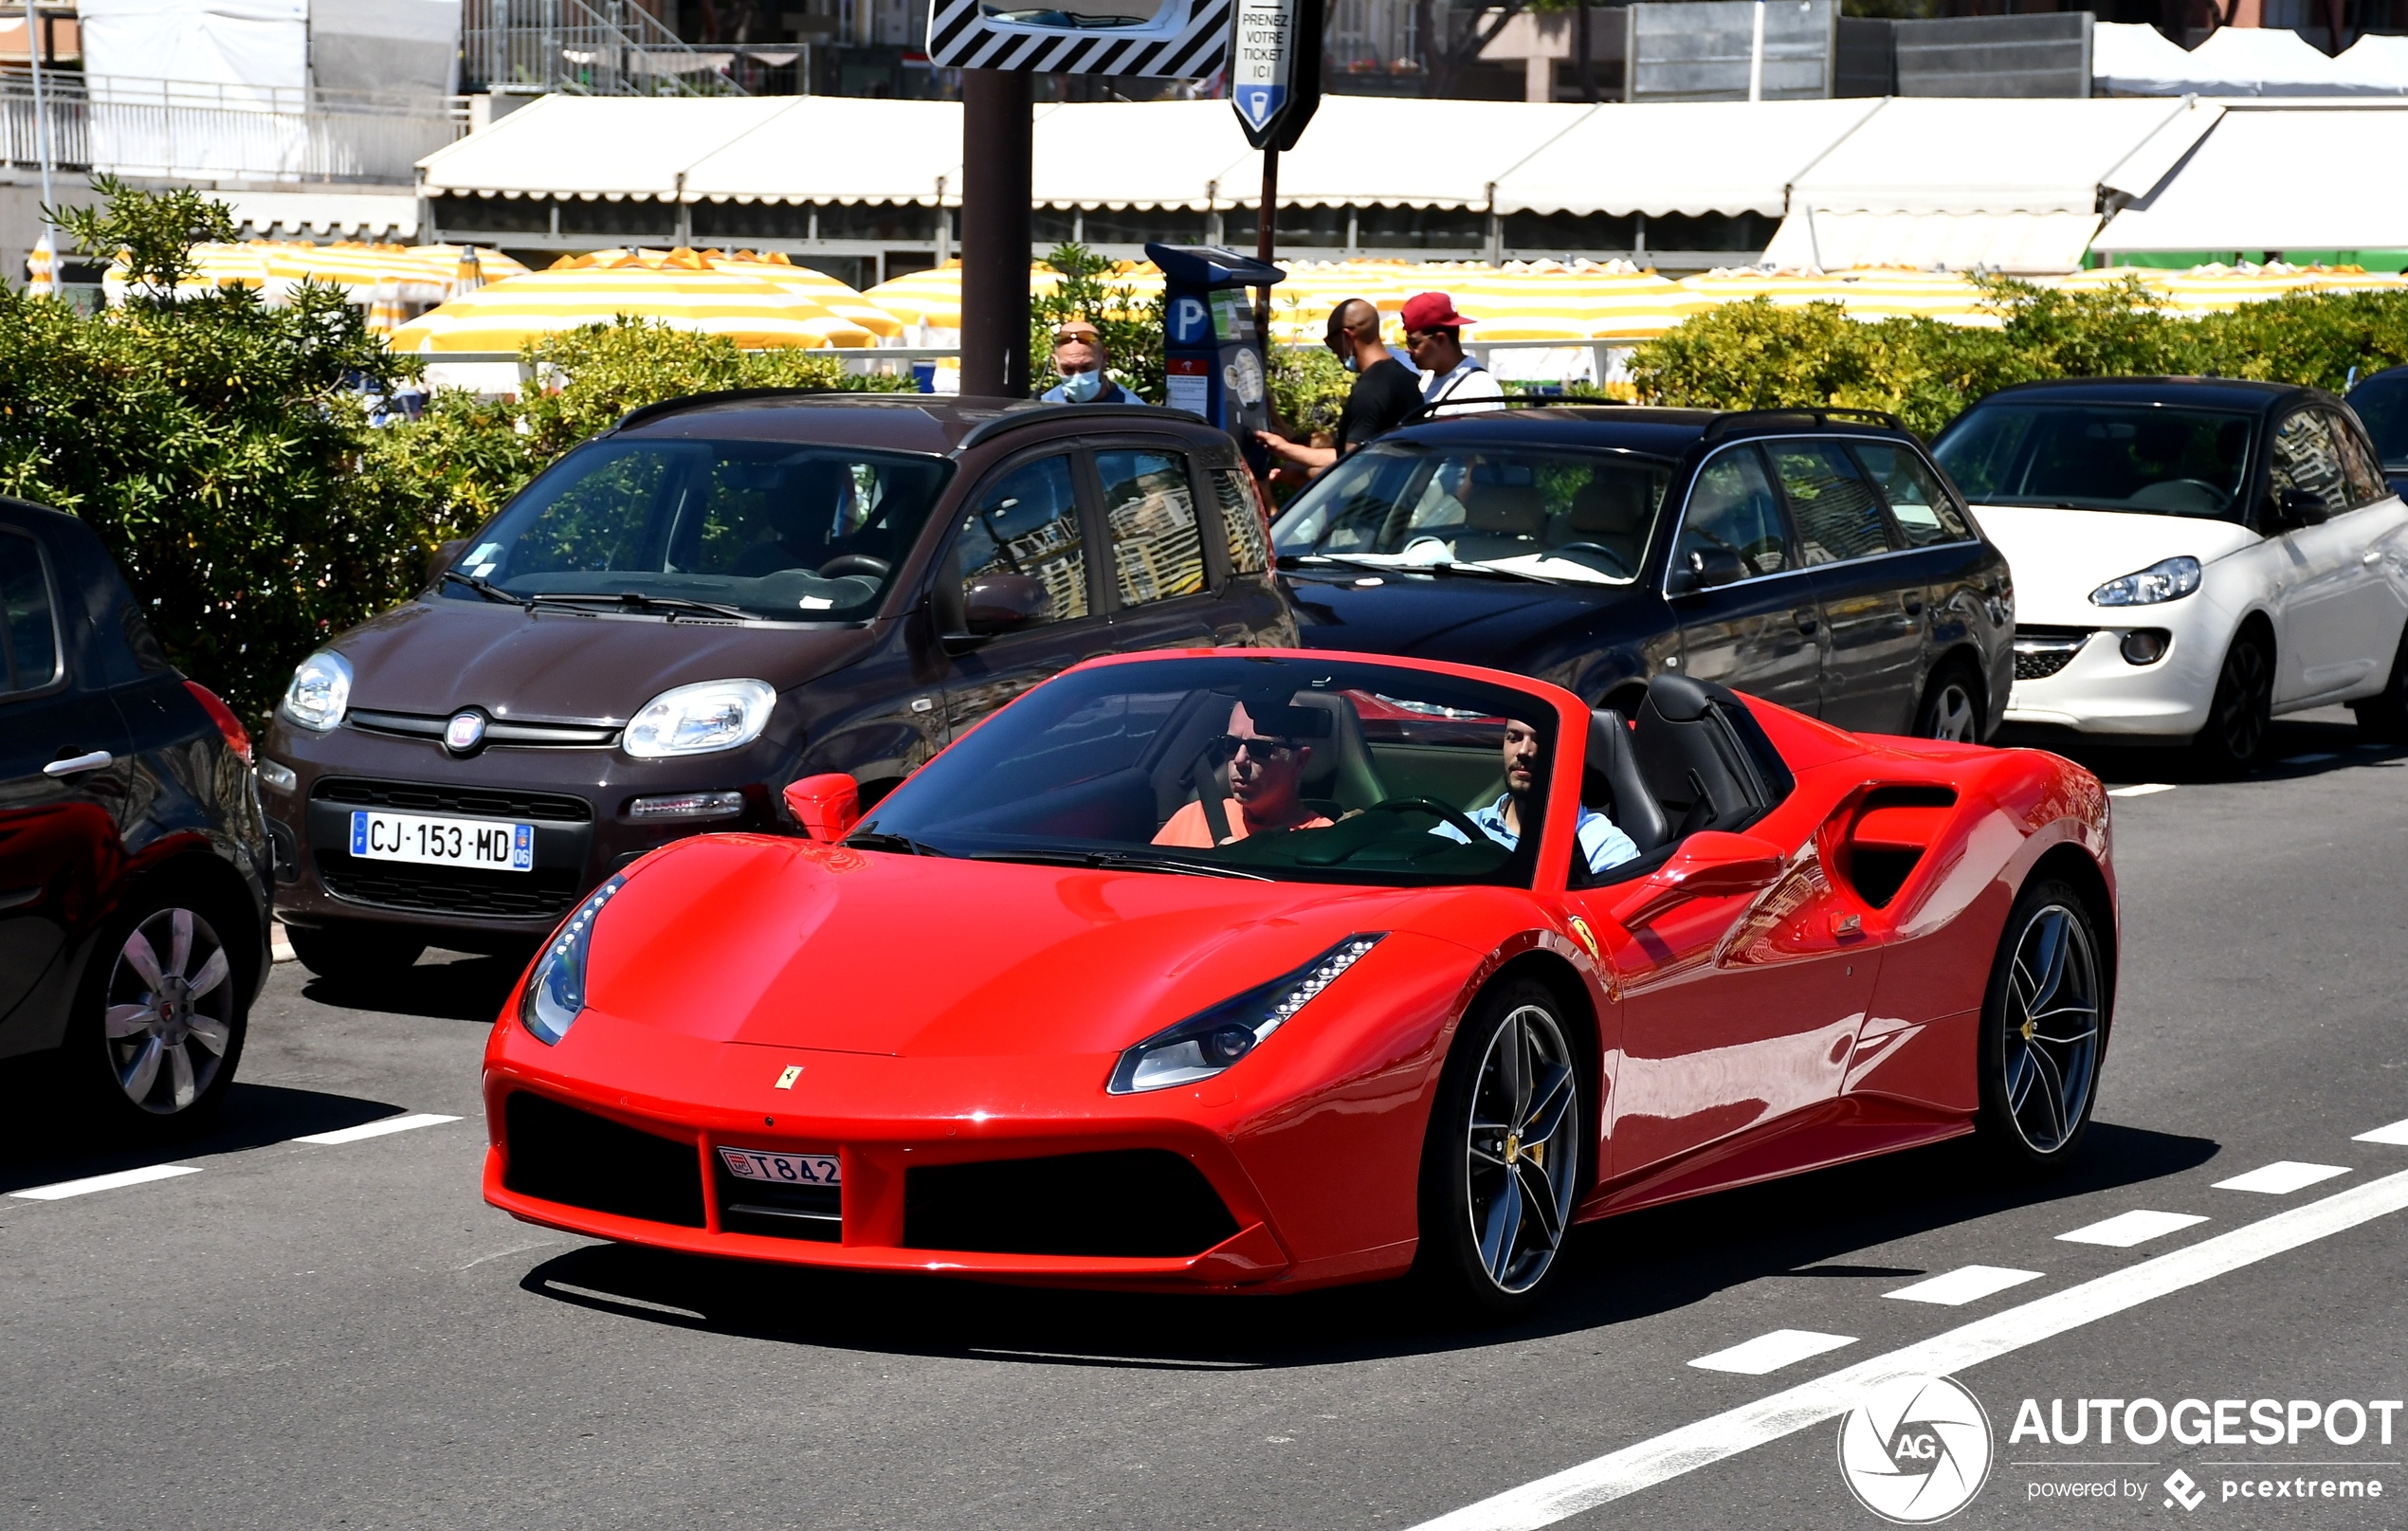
{"x": 1205, "y": 1043}
{"x": 554, "y": 995}
{"x": 2167, "y": 581}
{"x": 701, "y": 719}
{"x": 320, "y": 692}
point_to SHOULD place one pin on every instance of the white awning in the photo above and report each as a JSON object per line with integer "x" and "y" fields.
{"x": 1934, "y": 154}
{"x": 1417, "y": 154}
{"x": 1175, "y": 154}
{"x": 2023, "y": 244}
{"x": 324, "y": 214}
{"x": 2293, "y": 179}
{"x": 2272, "y": 61}
{"x": 1687, "y": 157}
{"x": 607, "y": 146}
{"x": 2135, "y": 59}
{"x": 838, "y": 149}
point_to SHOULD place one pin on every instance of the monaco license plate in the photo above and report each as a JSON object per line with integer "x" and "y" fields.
{"x": 430, "y": 841}
{"x": 780, "y": 1169}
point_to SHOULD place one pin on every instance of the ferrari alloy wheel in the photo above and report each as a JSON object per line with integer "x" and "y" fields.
{"x": 2042, "y": 1028}
{"x": 2243, "y": 708}
{"x": 1951, "y": 708}
{"x": 172, "y": 1009}
{"x": 1502, "y": 1169}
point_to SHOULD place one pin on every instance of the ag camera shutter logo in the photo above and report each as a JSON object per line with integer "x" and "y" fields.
{"x": 1916, "y": 1450}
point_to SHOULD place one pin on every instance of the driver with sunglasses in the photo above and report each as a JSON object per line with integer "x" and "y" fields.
{"x": 1266, "y": 784}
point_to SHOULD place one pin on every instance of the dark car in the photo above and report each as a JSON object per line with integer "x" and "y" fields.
{"x": 719, "y": 596}
{"x": 2382, "y": 403}
{"x": 1815, "y": 558}
{"x": 133, "y": 861}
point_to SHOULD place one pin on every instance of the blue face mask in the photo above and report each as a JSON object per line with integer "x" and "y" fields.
{"x": 1347, "y": 361}
{"x": 1079, "y": 388}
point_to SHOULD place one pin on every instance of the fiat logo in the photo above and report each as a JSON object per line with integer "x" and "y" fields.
{"x": 465, "y": 732}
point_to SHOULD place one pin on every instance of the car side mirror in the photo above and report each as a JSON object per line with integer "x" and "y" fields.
{"x": 1003, "y": 603}
{"x": 444, "y": 557}
{"x": 2305, "y": 508}
{"x": 1710, "y": 864}
{"x": 1704, "y": 569}
{"x": 827, "y": 806}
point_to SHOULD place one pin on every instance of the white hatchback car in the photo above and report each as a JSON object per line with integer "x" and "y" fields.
{"x": 2191, "y": 557}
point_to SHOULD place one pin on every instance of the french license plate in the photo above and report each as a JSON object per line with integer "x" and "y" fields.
{"x": 440, "y": 842}
{"x": 782, "y": 1169}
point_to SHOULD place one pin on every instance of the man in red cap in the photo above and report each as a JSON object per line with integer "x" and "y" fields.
{"x": 1434, "y": 336}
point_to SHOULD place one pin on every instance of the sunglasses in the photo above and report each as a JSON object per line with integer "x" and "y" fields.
{"x": 1223, "y": 748}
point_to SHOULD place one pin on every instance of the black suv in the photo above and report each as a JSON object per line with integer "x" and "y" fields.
{"x": 720, "y": 596}
{"x": 1816, "y": 558}
{"x": 133, "y": 859}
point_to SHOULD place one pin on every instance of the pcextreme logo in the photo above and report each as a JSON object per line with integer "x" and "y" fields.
{"x": 1916, "y": 1450}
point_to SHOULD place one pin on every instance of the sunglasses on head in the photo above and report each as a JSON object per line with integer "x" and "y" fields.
{"x": 1223, "y": 748}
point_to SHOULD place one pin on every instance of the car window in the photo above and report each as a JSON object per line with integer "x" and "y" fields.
{"x": 1835, "y": 510}
{"x": 2143, "y": 458}
{"x": 1249, "y": 553}
{"x": 2306, "y": 461}
{"x": 1149, "y": 503}
{"x": 1732, "y": 509}
{"x": 2381, "y": 406}
{"x": 1028, "y": 523}
{"x": 2358, "y": 468}
{"x": 27, "y": 626}
{"x": 1921, "y": 506}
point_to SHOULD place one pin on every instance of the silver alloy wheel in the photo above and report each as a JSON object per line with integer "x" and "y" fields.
{"x": 170, "y": 1011}
{"x": 1521, "y": 1149}
{"x": 1952, "y": 712}
{"x": 2051, "y": 1032}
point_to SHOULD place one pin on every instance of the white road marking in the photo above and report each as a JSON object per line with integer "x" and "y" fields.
{"x": 375, "y": 1129}
{"x": 1770, "y": 1353}
{"x": 1969, "y": 1284}
{"x": 64, "y": 1189}
{"x": 2125, "y": 1229}
{"x": 2282, "y": 1177}
{"x": 2308, "y": 759}
{"x": 1767, "y": 1419}
{"x": 2396, "y": 1134}
{"x": 2144, "y": 790}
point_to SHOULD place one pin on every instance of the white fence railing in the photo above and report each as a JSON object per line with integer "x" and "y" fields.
{"x": 167, "y": 128}
{"x": 611, "y": 47}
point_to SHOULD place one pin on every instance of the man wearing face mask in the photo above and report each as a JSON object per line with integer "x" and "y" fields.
{"x": 1077, "y": 355}
{"x": 1383, "y": 393}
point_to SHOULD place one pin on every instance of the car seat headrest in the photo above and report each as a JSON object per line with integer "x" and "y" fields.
{"x": 1679, "y": 698}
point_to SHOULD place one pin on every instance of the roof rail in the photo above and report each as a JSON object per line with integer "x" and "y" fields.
{"x": 728, "y": 395}
{"x": 1724, "y": 425}
{"x": 1014, "y": 419}
{"x": 1510, "y": 401}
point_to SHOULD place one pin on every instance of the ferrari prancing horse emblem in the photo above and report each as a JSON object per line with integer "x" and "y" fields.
{"x": 1588, "y": 937}
{"x": 786, "y": 1080}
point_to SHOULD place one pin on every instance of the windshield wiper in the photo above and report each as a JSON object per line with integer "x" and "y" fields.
{"x": 667, "y": 605}
{"x": 485, "y": 588}
{"x": 1493, "y": 572}
{"x": 881, "y": 840}
{"x": 1448, "y": 566}
{"x": 1117, "y": 861}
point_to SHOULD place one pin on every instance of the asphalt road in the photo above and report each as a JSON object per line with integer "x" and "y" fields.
{"x": 343, "y": 1334}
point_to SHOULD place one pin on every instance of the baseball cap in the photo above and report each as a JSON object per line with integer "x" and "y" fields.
{"x": 1433, "y": 311}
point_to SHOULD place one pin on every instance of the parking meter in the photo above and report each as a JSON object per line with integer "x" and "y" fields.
{"x": 1212, "y": 357}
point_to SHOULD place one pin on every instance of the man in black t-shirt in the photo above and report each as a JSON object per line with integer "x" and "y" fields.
{"x": 1384, "y": 392}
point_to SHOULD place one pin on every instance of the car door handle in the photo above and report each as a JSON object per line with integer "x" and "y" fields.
{"x": 76, "y": 763}
{"x": 2372, "y": 556}
{"x": 1806, "y": 619}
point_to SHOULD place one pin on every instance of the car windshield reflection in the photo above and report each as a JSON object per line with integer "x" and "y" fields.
{"x": 1581, "y": 517}
{"x": 729, "y": 529}
{"x": 2142, "y": 459}
{"x": 1291, "y": 770}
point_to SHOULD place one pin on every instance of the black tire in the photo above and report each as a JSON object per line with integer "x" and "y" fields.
{"x": 2383, "y": 717}
{"x": 352, "y": 953}
{"x": 1494, "y": 1208}
{"x": 157, "y": 1030}
{"x": 2242, "y": 713}
{"x": 1952, "y": 706}
{"x": 2045, "y": 1020}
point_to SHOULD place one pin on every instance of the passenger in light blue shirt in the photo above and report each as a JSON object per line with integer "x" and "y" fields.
{"x": 1602, "y": 843}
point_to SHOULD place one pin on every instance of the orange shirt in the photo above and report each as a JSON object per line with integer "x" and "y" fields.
{"x": 1187, "y": 827}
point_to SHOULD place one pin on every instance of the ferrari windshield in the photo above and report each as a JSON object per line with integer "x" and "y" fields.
{"x": 752, "y": 528}
{"x": 2130, "y": 457}
{"x": 1289, "y": 770}
{"x": 1557, "y": 515}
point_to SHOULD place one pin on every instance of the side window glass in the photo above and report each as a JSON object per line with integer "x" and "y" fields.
{"x": 27, "y": 628}
{"x": 1249, "y": 553}
{"x": 2359, "y": 468}
{"x": 1836, "y": 514}
{"x": 1150, "y": 505}
{"x": 1918, "y": 502}
{"x": 2304, "y": 460}
{"x": 1732, "y": 509}
{"x": 1028, "y": 523}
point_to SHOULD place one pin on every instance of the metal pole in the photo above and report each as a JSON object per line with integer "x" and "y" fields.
{"x": 1266, "y": 238}
{"x": 994, "y": 232}
{"x": 42, "y": 138}
{"x": 1756, "y": 58}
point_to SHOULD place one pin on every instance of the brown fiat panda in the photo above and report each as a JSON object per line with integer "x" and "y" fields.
{"x": 717, "y": 597}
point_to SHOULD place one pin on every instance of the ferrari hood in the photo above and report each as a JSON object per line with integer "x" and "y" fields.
{"x": 2060, "y": 556}
{"x": 435, "y": 655}
{"x": 747, "y": 939}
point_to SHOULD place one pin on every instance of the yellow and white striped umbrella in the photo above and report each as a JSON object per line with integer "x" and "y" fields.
{"x": 506, "y": 314}
{"x": 1865, "y": 293}
{"x": 420, "y": 275}
{"x": 2205, "y": 289}
{"x": 835, "y": 297}
{"x": 813, "y": 316}
{"x": 1301, "y": 305}
{"x": 1548, "y": 301}
{"x": 41, "y": 269}
{"x": 930, "y": 301}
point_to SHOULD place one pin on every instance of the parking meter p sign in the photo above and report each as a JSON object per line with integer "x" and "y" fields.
{"x": 1191, "y": 322}
{"x": 1274, "y": 73}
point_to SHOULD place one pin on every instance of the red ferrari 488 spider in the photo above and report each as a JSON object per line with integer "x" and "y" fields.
{"x": 1274, "y": 970}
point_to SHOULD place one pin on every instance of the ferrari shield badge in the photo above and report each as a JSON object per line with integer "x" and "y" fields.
{"x": 1587, "y": 938}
